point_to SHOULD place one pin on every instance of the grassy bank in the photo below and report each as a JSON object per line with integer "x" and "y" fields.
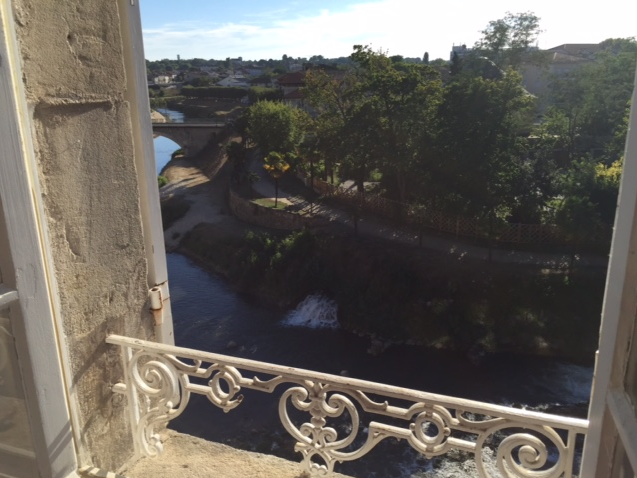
{"x": 404, "y": 294}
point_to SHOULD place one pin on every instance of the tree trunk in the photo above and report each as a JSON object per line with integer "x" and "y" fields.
{"x": 360, "y": 184}
{"x": 490, "y": 236}
{"x": 402, "y": 186}
{"x": 571, "y": 262}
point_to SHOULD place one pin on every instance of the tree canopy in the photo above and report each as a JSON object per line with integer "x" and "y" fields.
{"x": 274, "y": 126}
{"x": 508, "y": 41}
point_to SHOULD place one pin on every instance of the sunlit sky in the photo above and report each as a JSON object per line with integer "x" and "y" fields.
{"x": 256, "y": 29}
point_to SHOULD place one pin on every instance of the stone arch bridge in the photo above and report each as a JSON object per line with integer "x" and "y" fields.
{"x": 191, "y": 137}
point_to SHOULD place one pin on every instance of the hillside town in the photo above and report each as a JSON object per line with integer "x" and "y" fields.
{"x": 287, "y": 75}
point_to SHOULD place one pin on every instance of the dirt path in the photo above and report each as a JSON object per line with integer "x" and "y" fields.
{"x": 207, "y": 198}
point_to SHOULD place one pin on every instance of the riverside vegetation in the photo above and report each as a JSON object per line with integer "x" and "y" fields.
{"x": 403, "y": 294}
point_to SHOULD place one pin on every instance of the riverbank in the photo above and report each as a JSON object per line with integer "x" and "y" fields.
{"x": 394, "y": 294}
{"x": 389, "y": 292}
{"x": 197, "y": 193}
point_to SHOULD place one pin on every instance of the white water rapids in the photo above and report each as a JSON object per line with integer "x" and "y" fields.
{"x": 315, "y": 312}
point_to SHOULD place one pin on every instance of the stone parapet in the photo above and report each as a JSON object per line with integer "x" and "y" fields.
{"x": 185, "y": 455}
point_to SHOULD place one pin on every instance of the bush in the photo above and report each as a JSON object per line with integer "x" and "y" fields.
{"x": 257, "y": 93}
{"x": 162, "y": 180}
{"x": 173, "y": 209}
{"x": 178, "y": 152}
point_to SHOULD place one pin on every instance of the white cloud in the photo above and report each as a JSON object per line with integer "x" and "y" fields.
{"x": 405, "y": 27}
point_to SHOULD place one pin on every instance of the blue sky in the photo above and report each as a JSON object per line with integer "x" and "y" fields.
{"x": 268, "y": 29}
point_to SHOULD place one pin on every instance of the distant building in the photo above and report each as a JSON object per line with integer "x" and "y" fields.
{"x": 192, "y": 75}
{"x": 163, "y": 79}
{"x": 460, "y": 50}
{"x": 238, "y": 81}
{"x": 560, "y": 60}
{"x": 254, "y": 71}
{"x": 262, "y": 82}
{"x": 291, "y": 82}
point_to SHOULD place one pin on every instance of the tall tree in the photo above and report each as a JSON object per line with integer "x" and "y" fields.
{"x": 398, "y": 105}
{"x": 377, "y": 116}
{"x": 336, "y": 99}
{"x": 596, "y": 110}
{"x": 276, "y": 127}
{"x": 507, "y": 41}
{"x": 456, "y": 65}
{"x": 480, "y": 161}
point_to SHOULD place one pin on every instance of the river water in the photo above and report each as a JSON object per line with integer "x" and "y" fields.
{"x": 210, "y": 316}
{"x": 164, "y": 147}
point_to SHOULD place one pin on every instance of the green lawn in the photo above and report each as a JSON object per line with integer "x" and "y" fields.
{"x": 267, "y": 202}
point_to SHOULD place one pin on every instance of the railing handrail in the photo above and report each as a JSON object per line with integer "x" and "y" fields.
{"x": 577, "y": 425}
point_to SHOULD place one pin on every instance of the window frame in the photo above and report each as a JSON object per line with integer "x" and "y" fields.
{"x": 38, "y": 344}
{"x": 142, "y": 129}
{"x": 612, "y": 416}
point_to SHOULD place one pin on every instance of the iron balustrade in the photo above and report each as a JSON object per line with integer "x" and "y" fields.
{"x": 158, "y": 381}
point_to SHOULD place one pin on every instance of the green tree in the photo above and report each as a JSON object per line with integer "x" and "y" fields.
{"x": 480, "y": 160}
{"x": 256, "y": 94}
{"x": 456, "y": 64}
{"x": 508, "y": 41}
{"x": 201, "y": 81}
{"x": 237, "y": 157}
{"x": 595, "y": 110}
{"x": 333, "y": 99}
{"x": 398, "y": 107}
{"x": 379, "y": 115}
{"x": 439, "y": 63}
{"x": 274, "y": 126}
{"x": 588, "y": 199}
{"x": 276, "y": 166}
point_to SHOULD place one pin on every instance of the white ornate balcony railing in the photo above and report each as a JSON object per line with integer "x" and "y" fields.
{"x": 157, "y": 382}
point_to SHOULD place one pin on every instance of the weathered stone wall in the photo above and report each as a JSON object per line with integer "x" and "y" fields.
{"x": 252, "y": 213}
{"x": 75, "y": 80}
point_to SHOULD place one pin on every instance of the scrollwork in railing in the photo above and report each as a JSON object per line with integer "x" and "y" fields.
{"x": 526, "y": 444}
{"x": 314, "y": 437}
{"x": 523, "y": 455}
{"x": 422, "y": 439}
{"x": 155, "y": 377}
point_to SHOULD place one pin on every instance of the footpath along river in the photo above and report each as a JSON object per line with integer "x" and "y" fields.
{"x": 210, "y": 316}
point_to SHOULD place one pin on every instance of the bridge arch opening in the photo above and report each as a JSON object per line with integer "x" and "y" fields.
{"x": 164, "y": 148}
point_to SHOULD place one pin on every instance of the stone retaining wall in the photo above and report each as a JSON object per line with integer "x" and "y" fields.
{"x": 252, "y": 213}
